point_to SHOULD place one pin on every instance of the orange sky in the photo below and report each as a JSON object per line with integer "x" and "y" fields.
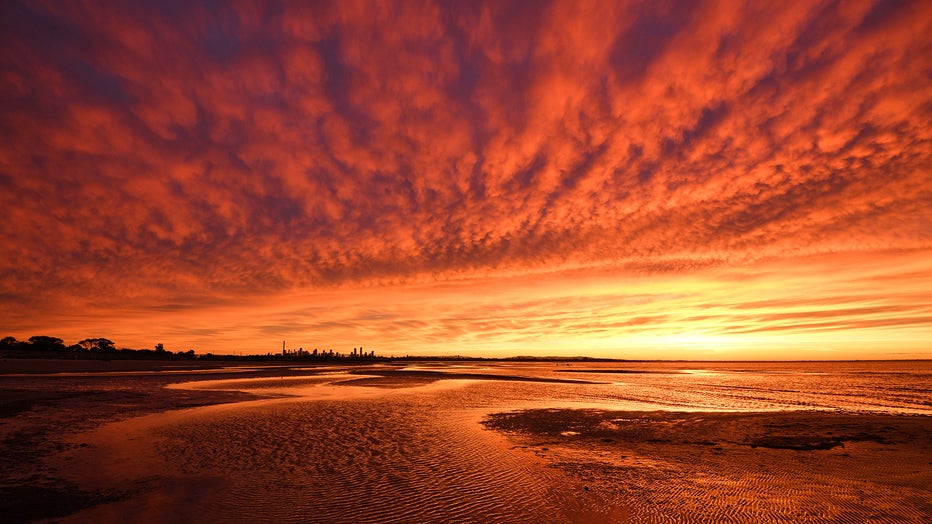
{"x": 625, "y": 179}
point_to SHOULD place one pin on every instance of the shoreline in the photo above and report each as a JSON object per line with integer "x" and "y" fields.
{"x": 13, "y": 364}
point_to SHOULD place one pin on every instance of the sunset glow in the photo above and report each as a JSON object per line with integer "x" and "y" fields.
{"x": 672, "y": 180}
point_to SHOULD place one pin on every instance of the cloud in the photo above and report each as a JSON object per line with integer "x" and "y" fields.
{"x": 189, "y": 151}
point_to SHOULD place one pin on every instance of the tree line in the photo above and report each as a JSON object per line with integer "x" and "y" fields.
{"x": 90, "y": 347}
{"x": 41, "y": 346}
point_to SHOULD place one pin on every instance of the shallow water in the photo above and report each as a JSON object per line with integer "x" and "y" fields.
{"x": 903, "y": 387}
{"x": 414, "y": 450}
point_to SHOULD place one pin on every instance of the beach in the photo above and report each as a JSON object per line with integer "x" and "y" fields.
{"x": 453, "y": 442}
{"x": 730, "y": 467}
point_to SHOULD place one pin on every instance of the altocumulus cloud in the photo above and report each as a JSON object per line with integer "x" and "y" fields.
{"x": 192, "y": 151}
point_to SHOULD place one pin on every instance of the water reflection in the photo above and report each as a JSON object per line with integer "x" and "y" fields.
{"x": 886, "y": 388}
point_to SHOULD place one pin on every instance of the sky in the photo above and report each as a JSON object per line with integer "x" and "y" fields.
{"x": 670, "y": 180}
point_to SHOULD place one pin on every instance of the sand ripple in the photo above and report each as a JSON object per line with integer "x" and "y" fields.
{"x": 362, "y": 461}
{"x": 774, "y": 467}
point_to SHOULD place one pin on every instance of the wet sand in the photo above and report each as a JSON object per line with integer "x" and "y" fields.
{"x": 98, "y": 441}
{"x": 44, "y": 404}
{"x": 738, "y": 467}
{"x": 381, "y": 444}
{"x": 10, "y": 366}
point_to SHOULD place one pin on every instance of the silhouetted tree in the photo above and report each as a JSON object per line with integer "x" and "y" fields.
{"x": 44, "y": 343}
{"x": 9, "y": 343}
{"x": 98, "y": 344}
{"x": 159, "y": 348}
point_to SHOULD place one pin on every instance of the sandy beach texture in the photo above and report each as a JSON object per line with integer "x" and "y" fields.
{"x": 150, "y": 443}
{"x": 738, "y": 467}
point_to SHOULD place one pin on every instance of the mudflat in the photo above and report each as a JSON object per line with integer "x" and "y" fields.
{"x": 42, "y": 366}
{"x": 44, "y": 403}
{"x": 157, "y": 441}
{"x": 790, "y": 466}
